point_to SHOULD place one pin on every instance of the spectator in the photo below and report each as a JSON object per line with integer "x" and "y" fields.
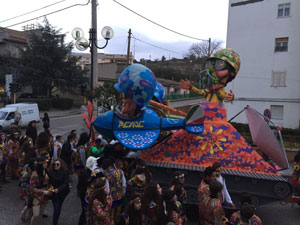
{"x": 40, "y": 190}
{"x": 73, "y": 133}
{"x": 18, "y": 118}
{"x": 213, "y": 213}
{"x": 226, "y": 199}
{"x": 58, "y": 176}
{"x": 115, "y": 150}
{"x": 152, "y": 205}
{"x": 132, "y": 215}
{"x": 172, "y": 211}
{"x": 138, "y": 182}
{"x": 81, "y": 152}
{"x": 31, "y": 131}
{"x": 117, "y": 185}
{"x": 66, "y": 153}
{"x": 295, "y": 180}
{"x": 57, "y": 147}
{"x": 46, "y": 122}
{"x": 247, "y": 216}
{"x": 13, "y": 158}
{"x": 4, "y": 153}
{"x": 99, "y": 205}
{"x": 203, "y": 191}
{"x": 96, "y": 149}
{"x": 245, "y": 199}
{"x": 178, "y": 178}
{"x": 26, "y": 213}
{"x": 43, "y": 146}
{"x": 83, "y": 181}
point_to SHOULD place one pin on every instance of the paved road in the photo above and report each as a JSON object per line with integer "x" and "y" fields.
{"x": 11, "y": 206}
{"x": 64, "y": 125}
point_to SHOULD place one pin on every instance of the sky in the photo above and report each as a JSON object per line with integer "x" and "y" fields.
{"x": 200, "y": 19}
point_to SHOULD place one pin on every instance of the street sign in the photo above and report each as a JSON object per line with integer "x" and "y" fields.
{"x": 267, "y": 114}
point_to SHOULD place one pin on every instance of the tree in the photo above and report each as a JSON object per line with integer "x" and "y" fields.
{"x": 201, "y": 50}
{"x": 105, "y": 94}
{"x": 47, "y": 62}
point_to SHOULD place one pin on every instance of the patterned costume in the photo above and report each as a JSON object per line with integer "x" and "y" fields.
{"x": 44, "y": 152}
{"x": 214, "y": 213}
{"x": 3, "y": 161}
{"x": 117, "y": 183}
{"x": 176, "y": 218}
{"x": 57, "y": 150}
{"x": 78, "y": 164}
{"x": 150, "y": 218}
{"x": 36, "y": 190}
{"x": 135, "y": 185}
{"x": 217, "y": 95}
{"x": 203, "y": 194}
{"x": 236, "y": 219}
{"x": 13, "y": 158}
{"x": 100, "y": 212}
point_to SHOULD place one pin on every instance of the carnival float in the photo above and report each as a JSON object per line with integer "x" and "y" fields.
{"x": 172, "y": 140}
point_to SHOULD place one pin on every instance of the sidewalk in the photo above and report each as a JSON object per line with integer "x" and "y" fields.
{"x": 54, "y": 113}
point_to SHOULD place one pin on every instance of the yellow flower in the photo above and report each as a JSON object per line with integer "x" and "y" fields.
{"x": 211, "y": 139}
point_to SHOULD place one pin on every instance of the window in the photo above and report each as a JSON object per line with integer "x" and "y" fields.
{"x": 284, "y": 10}
{"x": 278, "y": 79}
{"x": 281, "y": 44}
{"x": 277, "y": 112}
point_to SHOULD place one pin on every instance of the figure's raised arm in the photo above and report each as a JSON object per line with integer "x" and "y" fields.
{"x": 185, "y": 84}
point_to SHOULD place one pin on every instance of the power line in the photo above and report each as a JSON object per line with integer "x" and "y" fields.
{"x": 157, "y": 46}
{"x": 199, "y": 39}
{"x": 32, "y": 11}
{"x": 49, "y": 14}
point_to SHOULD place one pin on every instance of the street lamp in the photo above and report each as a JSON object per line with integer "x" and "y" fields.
{"x": 82, "y": 43}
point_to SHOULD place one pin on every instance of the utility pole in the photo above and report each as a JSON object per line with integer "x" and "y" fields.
{"x": 128, "y": 49}
{"x": 209, "y": 46}
{"x": 94, "y": 52}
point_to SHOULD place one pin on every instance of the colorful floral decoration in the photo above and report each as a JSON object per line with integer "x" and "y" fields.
{"x": 219, "y": 142}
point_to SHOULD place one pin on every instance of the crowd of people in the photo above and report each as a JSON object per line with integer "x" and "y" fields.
{"x": 112, "y": 189}
{"x": 213, "y": 197}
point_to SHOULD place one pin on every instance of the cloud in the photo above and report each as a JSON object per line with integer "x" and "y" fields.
{"x": 144, "y": 47}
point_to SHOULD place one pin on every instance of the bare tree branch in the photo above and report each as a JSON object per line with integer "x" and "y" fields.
{"x": 200, "y": 50}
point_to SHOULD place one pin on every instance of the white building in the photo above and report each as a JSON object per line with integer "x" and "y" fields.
{"x": 266, "y": 34}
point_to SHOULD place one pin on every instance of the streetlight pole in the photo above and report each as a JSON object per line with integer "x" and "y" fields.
{"x": 93, "y": 49}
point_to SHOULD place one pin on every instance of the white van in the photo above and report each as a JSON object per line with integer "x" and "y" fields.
{"x": 29, "y": 112}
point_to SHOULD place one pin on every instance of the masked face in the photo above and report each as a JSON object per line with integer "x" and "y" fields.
{"x": 217, "y": 73}
{"x": 128, "y": 106}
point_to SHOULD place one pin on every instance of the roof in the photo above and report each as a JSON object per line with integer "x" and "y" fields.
{"x": 166, "y": 82}
{"x": 14, "y": 36}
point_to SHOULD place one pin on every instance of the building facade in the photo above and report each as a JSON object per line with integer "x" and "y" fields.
{"x": 103, "y": 58}
{"x": 266, "y": 34}
{"x": 11, "y": 41}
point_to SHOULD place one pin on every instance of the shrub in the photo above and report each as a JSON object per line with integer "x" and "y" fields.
{"x": 44, "y": 103}
{"x": 241, "y": 127}
{"x": 62, "y": 103}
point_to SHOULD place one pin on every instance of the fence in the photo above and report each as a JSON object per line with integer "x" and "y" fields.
{"x": 183, "y": 96}
{"x": 290, "y": 141}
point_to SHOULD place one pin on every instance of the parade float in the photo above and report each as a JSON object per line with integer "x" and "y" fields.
{"x": 199, "y": 138}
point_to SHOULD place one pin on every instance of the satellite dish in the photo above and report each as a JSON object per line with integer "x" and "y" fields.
{"x": 82, "y": 44}
{"x": 77, "y": 33}
{"x": 107, "y": 32}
